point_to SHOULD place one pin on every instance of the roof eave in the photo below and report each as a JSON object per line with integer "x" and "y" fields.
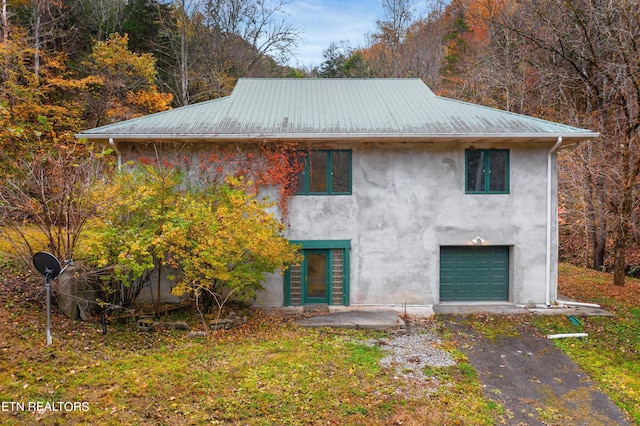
{"x": 413, "y": 137}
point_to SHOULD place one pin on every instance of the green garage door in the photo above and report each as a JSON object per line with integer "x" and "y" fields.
{"x": 469, "y": 273}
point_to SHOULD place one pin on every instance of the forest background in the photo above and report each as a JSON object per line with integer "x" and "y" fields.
{"x": 69, "y": 65}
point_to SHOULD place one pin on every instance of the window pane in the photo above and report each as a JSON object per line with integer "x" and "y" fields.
{"x": 301, "y": 161}
{"x": 475, "y": 171}
{"x": 498, "y": 171}
{"x": 317, "y": 275}
{"x": 318, "y": 170}
{"x": 341, "y": 166}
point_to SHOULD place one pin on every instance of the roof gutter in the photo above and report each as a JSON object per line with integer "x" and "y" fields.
{"x": 549, "y": 215}
{"x": 249, "y": 137}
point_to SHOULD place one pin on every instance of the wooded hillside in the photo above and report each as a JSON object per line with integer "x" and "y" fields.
{"x": 68, "y": 65}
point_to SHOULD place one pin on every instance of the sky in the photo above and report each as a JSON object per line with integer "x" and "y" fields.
{"x": 327, "y": 21}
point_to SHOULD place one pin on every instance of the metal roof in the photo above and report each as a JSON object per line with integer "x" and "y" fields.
{"x": 317, "y": 109}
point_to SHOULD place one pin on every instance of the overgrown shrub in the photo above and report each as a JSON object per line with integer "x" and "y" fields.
{"x": 220, "y": 239}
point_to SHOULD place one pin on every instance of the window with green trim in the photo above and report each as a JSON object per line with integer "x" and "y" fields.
{"x": 325, "y": 172}
{"x": 487, "y": 171}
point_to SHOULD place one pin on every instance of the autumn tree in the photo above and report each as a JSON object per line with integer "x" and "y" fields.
{"x": 215, "y": 237}
{"x": 125, "y": 243}
{"x": 400, "y": 47}
{"x": 424, "y": 47}
{"x": 131, "y": 240}
{"x": 392, "y": 30}
{"x": 385, "y": 54}
{"x": 47, "y": 201}
{"x": 206, "y": 45}
{"x": 126, "y": 85}
{"x": 174, "y": 50}
{"x": 459, "y": 62}
{"x": 259, "y": 23}
{"x": 223, "y": 240}
{"x": 38, "y": 111}
{"x": 44, "y": 171}
{"x": 583, "y": 205}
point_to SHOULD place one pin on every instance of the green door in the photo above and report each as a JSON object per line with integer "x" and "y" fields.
{"x": 316, "y": 276}
{"x": 323, "y": 275}
{"x": 469, "y": 273}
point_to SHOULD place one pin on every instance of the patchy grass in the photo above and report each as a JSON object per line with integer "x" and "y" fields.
{"x": 491, "y": 326}
{"x": 268, "y": 371}
{"x": 611, "y": 353}
{"x": 459, "y": 389}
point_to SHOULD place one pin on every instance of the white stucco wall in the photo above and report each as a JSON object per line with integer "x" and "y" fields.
{"x": 408, "y": 200}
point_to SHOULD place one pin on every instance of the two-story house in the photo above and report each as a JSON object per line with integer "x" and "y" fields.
{"x": 406, "y": 200}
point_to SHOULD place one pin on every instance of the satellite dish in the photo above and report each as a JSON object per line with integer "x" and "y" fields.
{"x": 50, "y": 267}
{"x": 47, "y": 265}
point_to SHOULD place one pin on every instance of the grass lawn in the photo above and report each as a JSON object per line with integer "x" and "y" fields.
{"x": 269, "y": 371}
{"x": 611, "y": 353}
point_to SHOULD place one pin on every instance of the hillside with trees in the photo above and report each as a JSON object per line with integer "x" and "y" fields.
{"x": 70, "y": 65}
{"x": 575, "y": 62}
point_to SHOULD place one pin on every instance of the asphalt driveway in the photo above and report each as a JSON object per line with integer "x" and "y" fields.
{"x": 536, "y": 382}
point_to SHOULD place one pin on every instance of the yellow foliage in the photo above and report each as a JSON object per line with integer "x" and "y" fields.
{"x": 147, "y": 102}
{"x": 13, "y": 237}
{"x": 126, "y": 80}
{"x": 218, "y": 238}
{"x": 114, "y": 55}
{"x": 231, "y": 241}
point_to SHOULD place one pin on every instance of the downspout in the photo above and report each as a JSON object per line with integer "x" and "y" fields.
{"x": 115, "y": 148}
{"x": 549, "y": 215}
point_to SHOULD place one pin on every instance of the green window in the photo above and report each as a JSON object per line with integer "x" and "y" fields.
{"x": 487, "y": 171}
{"x": 325, "y": 172}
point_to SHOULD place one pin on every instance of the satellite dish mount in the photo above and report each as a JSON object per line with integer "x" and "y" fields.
{"x": 49, "y": 266}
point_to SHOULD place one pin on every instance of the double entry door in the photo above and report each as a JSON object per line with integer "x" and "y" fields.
{"x": 323, "y": 275}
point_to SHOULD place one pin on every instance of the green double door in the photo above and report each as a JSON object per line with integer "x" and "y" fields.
{"x": 322, "y": 278}
{"x": 474, "y": 274}
{"x": 316, "y": 276}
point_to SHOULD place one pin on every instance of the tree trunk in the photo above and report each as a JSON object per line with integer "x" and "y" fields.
{"x": 600, "y": 228}
{"x": 5, "y": 22}
{"x": 36, "y": 45}
{"x": 184, "y": 65}
{"x": 594, "y": 211}
{"x": 599, "y": 248}
{"x": 619, "y": 263}
{"x": 629, "y": 175}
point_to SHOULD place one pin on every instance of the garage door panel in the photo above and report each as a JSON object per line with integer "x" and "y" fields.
{"x": 469, "y": 273}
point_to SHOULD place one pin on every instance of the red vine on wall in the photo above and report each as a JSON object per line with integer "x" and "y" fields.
{"x": 267, "y": 164}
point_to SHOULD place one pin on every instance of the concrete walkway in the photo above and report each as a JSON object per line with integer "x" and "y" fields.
{"x": 356, "y": 319}
{"x": 509, "y": 309}
{"x": 391, "y": 320}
